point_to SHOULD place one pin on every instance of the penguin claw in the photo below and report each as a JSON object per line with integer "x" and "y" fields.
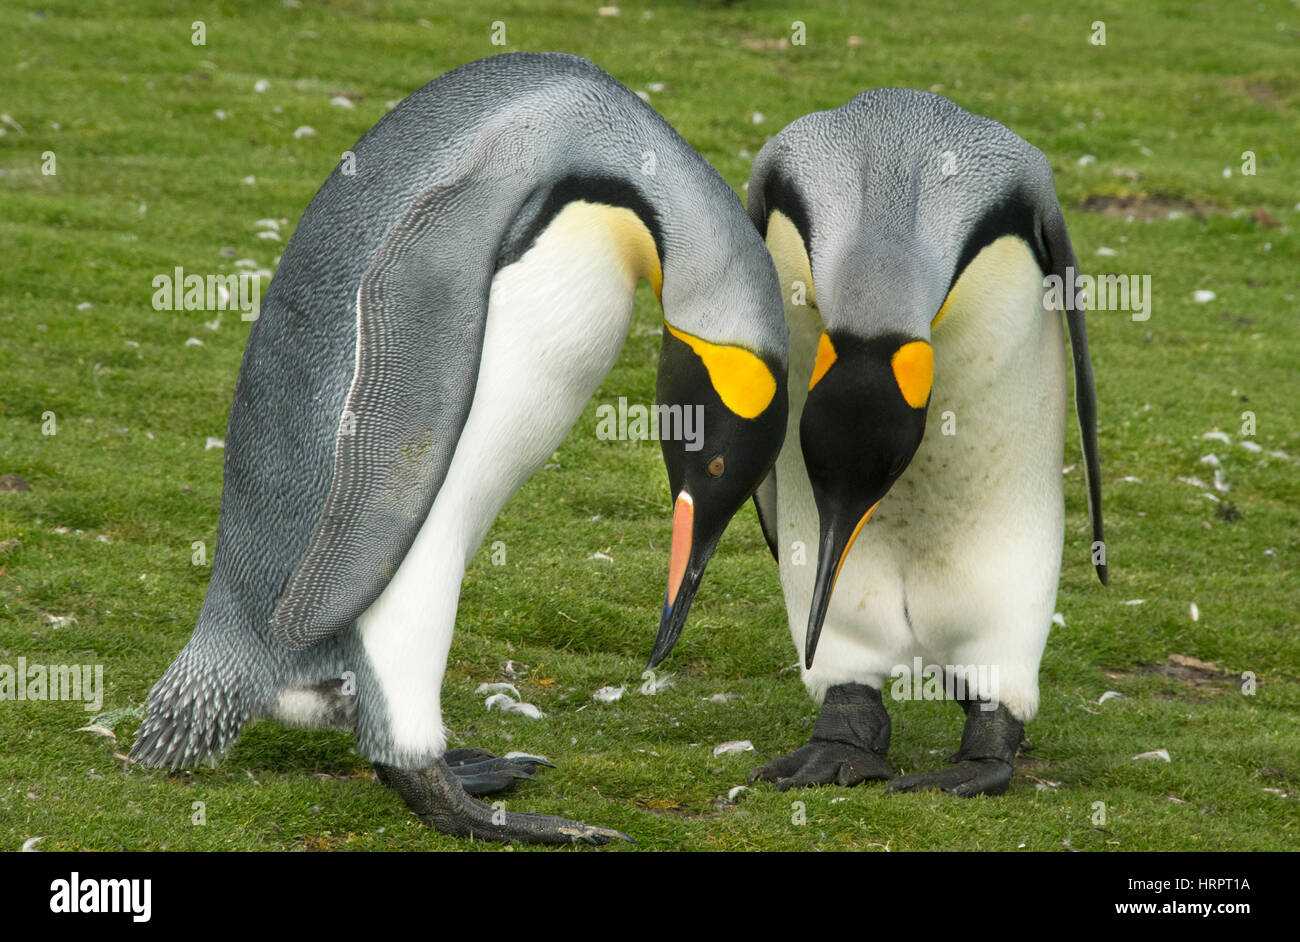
{"x": 438, "y": 797}
{"x": 822, "y": 763}
{"x": 966, "y": 779}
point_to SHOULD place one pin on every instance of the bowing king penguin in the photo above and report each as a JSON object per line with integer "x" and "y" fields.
{"x": 450, "y": 300}
{"x": 917, "y": 246}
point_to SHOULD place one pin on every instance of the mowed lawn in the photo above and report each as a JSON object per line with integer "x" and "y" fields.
{"x": 167, "y": 154}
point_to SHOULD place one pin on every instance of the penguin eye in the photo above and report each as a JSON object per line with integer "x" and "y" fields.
{"x": 717, "y": 466}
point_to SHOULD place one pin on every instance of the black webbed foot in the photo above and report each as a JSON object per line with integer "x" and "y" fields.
{"x": 985, "y": 761}
{"x": 440, "y": 801}
{"x": 849, "y": 744}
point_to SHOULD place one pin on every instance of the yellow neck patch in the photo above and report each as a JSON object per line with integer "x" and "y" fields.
{"x": 631, "y": 239}
{"x": 742, "y": 381}
{"x": 943, "y": 309}
{"x": 998, "y": 263}
{"x": 913, "y": 365}
{"x": 825, "y": 359}
{"x": 790, "y": 255}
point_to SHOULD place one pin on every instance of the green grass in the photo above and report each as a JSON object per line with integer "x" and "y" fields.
{"x": 149, "y": 178}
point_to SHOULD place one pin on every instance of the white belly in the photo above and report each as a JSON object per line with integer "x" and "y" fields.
{"x": 960, "y": 562}
{"x": 556, "y": 322}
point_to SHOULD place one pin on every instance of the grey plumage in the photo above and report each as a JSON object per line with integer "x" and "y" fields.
{"x": 906, "y": 141}
{"x": 944, "y": 181}
{"x": 326, "y": 480}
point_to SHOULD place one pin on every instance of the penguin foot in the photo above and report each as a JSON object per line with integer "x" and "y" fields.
{"x": 966, "y": 779}
{"x": 985, "y": 761}
{"x": 822, "y": 764}
{"x": 482, "y": 773}
{"x": 441, "y": 802}
{"x": 849, "y": 744}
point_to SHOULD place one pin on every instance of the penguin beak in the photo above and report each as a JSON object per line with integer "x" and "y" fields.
{"x": 686, "y": 564}
{"x": 836, "y": 541}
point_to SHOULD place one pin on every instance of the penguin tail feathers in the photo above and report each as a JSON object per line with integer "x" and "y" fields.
{"x": 195, "y": 712}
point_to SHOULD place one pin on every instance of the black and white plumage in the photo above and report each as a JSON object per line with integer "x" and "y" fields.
{"x": 916, "y": 509}
{"x": 438, "y": 321}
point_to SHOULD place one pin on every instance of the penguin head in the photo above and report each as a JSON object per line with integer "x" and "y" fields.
{"x": 862, "y": 422}
{"x": 730, "y": 405}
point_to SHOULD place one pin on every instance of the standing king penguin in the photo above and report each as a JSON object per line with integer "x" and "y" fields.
{"x": 916, "y": 244}
{"x": 451, "y": 299}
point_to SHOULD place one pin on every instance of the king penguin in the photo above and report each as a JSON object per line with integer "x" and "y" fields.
{"x": 450, "y": 300}
{"x": 917, "y": 246}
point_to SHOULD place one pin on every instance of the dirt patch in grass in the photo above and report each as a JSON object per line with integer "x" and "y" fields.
{"x": 12, "y": 482}
{"x": 326, "y": 841}
{"x": 1200, "y": 677}
{"x": 1035, "y": 773}
{"x": 718, "y": 808}
{"x": 1148, "y": 207}
{"x": 1264, "y": 92}
{"x": 660, "y": 806}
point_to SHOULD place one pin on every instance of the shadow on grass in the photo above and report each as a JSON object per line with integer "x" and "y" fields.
{"x": 266, "y": 746}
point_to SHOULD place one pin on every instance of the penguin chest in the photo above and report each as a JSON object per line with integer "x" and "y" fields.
{"x": 975, "y": 523}
{"x": 985, "y": 483}
{"x": 555, "y": 325}
{"x": 970, "y": 535}
{"x": 557, "y": 319}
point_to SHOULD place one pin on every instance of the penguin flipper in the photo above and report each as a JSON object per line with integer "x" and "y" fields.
{"x": 1061, "y": 252}
{"x": 421, "y": 311}
{"x": 765, "y": 504}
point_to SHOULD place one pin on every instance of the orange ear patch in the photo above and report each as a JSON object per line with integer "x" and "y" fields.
{"x": 742, "y": 381}
{"x": 825, "y": 359}
{"x": 913, "y": 365}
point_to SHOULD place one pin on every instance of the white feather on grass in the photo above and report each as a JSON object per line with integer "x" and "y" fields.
{"x": 733, "y": 747}
{"x": 1154, "y": 754}
{"x": 503, "y": 702}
